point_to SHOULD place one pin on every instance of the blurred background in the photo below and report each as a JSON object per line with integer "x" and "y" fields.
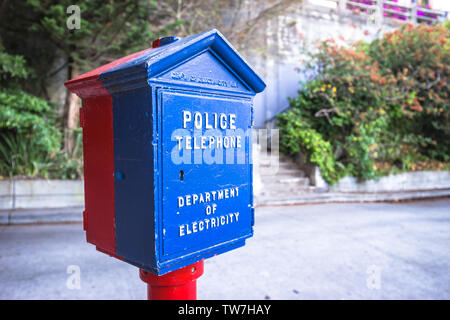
{"x": 45, "y": 43}
{"x": 355, "y": 109}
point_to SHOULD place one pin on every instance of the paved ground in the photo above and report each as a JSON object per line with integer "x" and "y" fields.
{"x": 330, "y": 251}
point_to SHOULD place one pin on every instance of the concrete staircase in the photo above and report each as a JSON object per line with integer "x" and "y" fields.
{"x": 280, "y": 178}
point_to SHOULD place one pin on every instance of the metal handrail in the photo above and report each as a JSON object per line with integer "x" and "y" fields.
{"x": 410, "y": 12}
{"x": 431, "y": 11}
{"x": 361, "y": 5}
{"x": 398, "y": 5}
{"x": 400, "y": 13}
{"x": 427, "y": 18}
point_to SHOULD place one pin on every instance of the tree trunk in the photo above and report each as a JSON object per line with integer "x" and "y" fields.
{"x": 55, "y": 90}
{"x": 72, "y": 114}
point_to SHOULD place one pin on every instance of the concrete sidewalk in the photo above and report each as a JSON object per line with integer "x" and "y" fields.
{"x": 324, "y": 251}
{"x": 42, "y": 215}
{"x": 316, "y": 197}
{"x": 75, "y": 213}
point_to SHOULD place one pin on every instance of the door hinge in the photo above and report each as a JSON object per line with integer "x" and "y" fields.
{"x": 84, "y": 220}
{"x": 253, "y": 216}
{"x": 82, "y": 117}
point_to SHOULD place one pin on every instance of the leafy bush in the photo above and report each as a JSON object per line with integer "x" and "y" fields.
{"x": 319, "y": 151}
{"x": 30, "y": 142}
{"x": 30, "y": 116}
{"x": 380, "y": 106}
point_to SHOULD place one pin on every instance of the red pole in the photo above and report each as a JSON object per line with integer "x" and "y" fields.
{"x": 180, "y": 284}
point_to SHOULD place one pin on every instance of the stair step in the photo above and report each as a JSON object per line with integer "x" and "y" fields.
{"x": 272, "y": 163}
{"x": 284, "y": 179}
{"x": 281, "y": 171}
{"x": 295, "y": 180}
{"x": 273, "y": 158}
{"x": 286, "y": 193}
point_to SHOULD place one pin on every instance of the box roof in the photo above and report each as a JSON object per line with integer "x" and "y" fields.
{"x": 151, "y": 62}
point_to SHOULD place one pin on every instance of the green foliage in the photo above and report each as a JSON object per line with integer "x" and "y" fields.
{"x": 379, "y": 104}
{"x": 28, "y": 136}
{"x": 320, "y": 152}
{"x": 12, "y": 66}
{"x": 36, "y": 35}
{"x": 39, "y": 30}
{"x": 21, "y": 156}
{"x": 27, "y": 115}
{"x": 68, "y": 164}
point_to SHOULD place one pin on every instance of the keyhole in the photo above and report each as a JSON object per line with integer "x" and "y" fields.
{"x": 181, "y": 175}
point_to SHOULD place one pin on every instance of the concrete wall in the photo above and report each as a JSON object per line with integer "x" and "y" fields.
{"x": 44, "y": 194}
{"x": 289, "y": 37}
{"x": 23, "y": 194}
{"x": 407, "y": 181}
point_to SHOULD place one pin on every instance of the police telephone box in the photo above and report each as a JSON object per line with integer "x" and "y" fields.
{"x": 167, "y": 152}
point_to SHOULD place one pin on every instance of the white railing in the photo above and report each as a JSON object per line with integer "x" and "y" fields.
{"x": 390, "y": 10}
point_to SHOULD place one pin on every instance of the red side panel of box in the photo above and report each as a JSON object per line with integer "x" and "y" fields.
{"x": 98, "y": 154}
{"x": 96, "y": 118}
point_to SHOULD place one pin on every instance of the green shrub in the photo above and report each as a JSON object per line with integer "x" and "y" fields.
{"x": 311, "y": 143}
{"x": 377, "y": 104}
{"x": 29, "y": 139}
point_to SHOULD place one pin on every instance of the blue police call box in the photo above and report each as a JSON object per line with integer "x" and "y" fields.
{"x": 182, "y": 116}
